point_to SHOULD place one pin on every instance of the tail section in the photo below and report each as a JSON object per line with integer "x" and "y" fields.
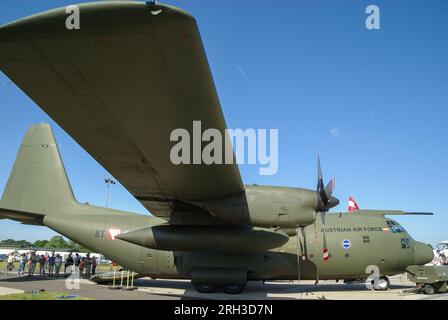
{"x": 38, "y": 184}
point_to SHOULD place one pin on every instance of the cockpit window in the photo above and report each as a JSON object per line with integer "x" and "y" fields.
{"x": 394, "y": 227}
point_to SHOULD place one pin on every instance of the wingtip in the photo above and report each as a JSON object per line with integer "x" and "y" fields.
{"x": 102, "y": 15}
{"x": 421, "y": 213}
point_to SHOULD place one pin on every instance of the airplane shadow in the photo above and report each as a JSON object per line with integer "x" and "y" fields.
{"x": 26, "y": 278}
{"x": 256, "y": 290}
{"x": 259, "y": 290}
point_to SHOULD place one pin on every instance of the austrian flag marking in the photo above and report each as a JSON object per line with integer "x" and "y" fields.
{"x": 326, "y": 255}
{"x": 113, "y": 232}
{"x": 352, "y": 205}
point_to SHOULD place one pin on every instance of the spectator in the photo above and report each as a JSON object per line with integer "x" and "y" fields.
{"x": 47, "y": 261}
{"x": 28, "y": 261}
{"x": 42, "y": 261}
{"x": 94, "y": 264}
{"x": 82, "y": 266}
{"x": 89, "y": 263}
{"x": 51, "y": 262}
{"x": 32, "y": 264}
{"x": 69, "y": 264}
{"x": 77, "y": 260}
{"x": 58, "y": 264}
{"x": 22, "y": 264}
{"x": 10, "y": 262}
{"x": 443, "y": 259}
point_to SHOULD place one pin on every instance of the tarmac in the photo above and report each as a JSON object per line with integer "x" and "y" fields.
{"x": 149, "y": 289}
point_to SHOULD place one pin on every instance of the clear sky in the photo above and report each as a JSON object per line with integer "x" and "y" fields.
{"x": 372, "y": 103}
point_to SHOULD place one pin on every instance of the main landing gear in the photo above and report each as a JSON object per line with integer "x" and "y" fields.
{"x": 382, "y": 284}
{"x": 205, "y": 288}
{"x": 229, "y": 289}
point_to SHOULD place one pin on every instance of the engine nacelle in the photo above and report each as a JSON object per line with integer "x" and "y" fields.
{"x": 205, "y": 238}
{"x": 268, "y": 207}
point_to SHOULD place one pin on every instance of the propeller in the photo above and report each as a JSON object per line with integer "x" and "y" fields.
{"x": 325, "y": 202}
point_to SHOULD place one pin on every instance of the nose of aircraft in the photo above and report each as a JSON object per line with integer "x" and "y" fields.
{"x": 423, "y": 253}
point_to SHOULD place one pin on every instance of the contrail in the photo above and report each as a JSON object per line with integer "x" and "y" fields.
{"x": 242, "y": 72}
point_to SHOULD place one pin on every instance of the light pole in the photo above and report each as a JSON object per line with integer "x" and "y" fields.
{"x": 108, "y": 182}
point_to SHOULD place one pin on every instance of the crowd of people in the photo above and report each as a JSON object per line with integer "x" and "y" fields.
{"x": 32, "y": 263}
{"x": 441, "y": 259}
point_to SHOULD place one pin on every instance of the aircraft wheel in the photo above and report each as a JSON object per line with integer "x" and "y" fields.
{"x": 429, "y": 289}
{"x": 382, "y": 285}
{"x": 234, "y": 289}
{"x": 205, "y": 288}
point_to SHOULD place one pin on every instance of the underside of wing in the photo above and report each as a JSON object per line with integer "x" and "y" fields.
{"x": 120, "y": 85}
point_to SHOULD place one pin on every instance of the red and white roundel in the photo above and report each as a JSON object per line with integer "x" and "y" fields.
{"x": 113, "y": 232}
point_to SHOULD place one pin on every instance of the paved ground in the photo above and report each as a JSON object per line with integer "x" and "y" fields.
{"x": 287, "y": 290}
{"x": 149, "y": 289}
{"x": 5, "y": 291}
{"x": 86, "y": 289}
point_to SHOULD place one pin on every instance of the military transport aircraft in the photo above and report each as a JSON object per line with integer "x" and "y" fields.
{"x": 119, "y": 86}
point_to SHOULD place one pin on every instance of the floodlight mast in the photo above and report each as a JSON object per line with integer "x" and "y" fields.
{"x": 108, "y": 182}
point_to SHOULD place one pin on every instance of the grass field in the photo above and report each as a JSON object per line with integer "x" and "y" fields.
{"x": 41, "y": 296}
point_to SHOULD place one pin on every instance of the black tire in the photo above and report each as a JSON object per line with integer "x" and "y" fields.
{"x": 429, "y": 289}
{"x": 234, "y": 289}
{"x": 205, "y": 288}
{"x": 383, "y": 284}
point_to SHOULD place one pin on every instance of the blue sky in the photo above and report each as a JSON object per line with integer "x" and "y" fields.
{"x": 372, "y": 103}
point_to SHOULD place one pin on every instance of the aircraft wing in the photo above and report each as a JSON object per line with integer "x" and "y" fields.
{"x": 389, "y": 213}
{"x": 119, "y": 86}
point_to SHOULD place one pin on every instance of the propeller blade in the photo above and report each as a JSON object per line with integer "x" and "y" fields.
{"x": 327, "y": 201}
{"x": 320, "y": 180}
{"x": 330, "y": 187}
{"x": 320, "y": 183}
{"x": 325, "y": 252}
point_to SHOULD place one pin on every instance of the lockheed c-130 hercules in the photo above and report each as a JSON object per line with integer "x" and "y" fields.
{"x": 119, "y": 85}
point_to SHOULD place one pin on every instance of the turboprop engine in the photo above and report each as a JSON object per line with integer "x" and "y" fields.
{"x": 275, "y": 207}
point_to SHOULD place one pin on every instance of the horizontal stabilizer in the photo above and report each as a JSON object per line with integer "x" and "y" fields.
{"x": 24, "y": 217}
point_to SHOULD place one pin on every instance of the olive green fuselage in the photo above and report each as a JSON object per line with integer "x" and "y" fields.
{"x": 368, "y": 241}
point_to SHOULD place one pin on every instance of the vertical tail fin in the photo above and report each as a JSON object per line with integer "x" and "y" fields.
{"x": 38, "y": 183}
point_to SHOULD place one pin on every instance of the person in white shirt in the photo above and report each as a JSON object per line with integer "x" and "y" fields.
{"x": 10, "y": 262}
